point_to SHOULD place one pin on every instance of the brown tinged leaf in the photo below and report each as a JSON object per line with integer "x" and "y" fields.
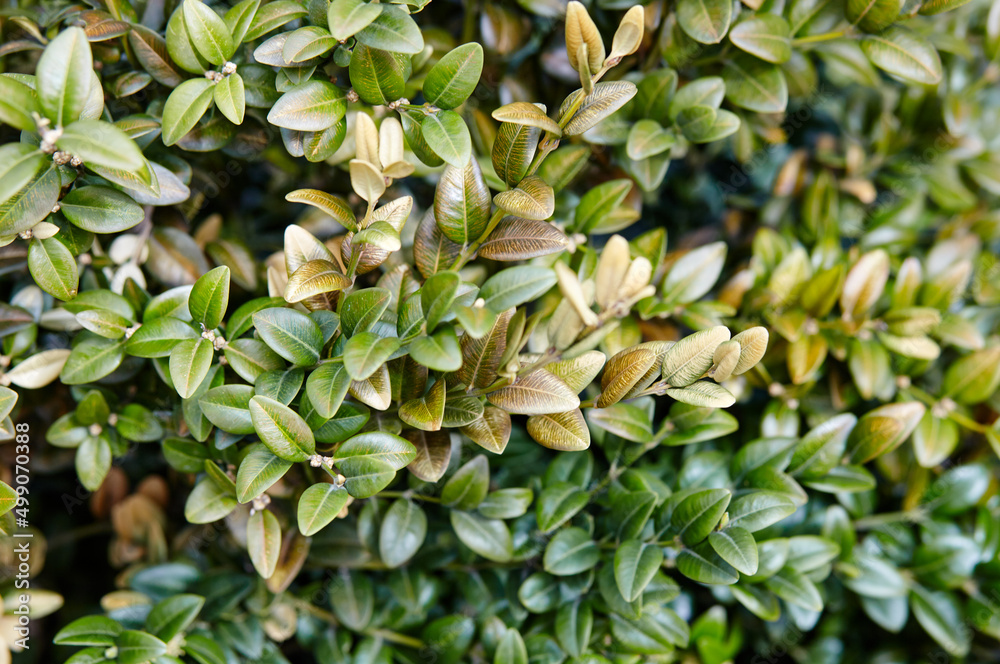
{"x": 374, "y": 391}
{"x": 371, "y": 256}
{"x": 314, "y": 278}
{"x": 753, "y": 345}
{"x": 864, "y": 284}
{"x": 517, "y": 239}
{"x": 883, "y": 429}
{"x": 527, "y": 114}
{"x": 622, "y": 372}
{"x": 611, "y": 268}
{"x": 628, "y": 37}
{"x": 462, "y": 202}
{"x": 426, "y": 413}
{"x": 580, "y": 371}
{"x": 726, "y": 356}
{"x": 580, "y": 29}
{"x": 432, "y": 251}
{"x": 332, "y": 205}
{"x": 481, "y": 357}
{"x": 491, "y": 431}
{"x": 513, "y": 150}
{"x": 660, "y": 348}
{"x": 433, "y": 453}
{"x": 537, "y": 393}
{"x": 566, "y": 432}
{"x": 689, "y": 359}
{"x": 531, "y": 199}
{"x": 607, "y": 97}
{"x": 572, "y": 290}
{"x": 805, "y": 357}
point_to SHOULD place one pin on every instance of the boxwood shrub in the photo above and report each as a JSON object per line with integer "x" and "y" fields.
{"x": 493, "y": 332}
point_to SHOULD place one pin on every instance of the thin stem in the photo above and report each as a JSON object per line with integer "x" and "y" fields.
{"x": 408, "y": 495}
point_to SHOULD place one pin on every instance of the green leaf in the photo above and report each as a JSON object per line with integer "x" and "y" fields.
{"x": 558, "y": 503}
{"x": 239, "y": 18}
{"x": 362, "y": 308}
{"x": 53, "y": 267}
{"x": 283, "y": 430}
{"x": 17, "y": 102}
{"x": 626, "y": 420}
{"x": 511, "y": 649}
{"x": 100, "y": 144}
{"x": 447, "y": 135}
{"x": 173, "y": 615}
{"x": 698, "y": 514}
{"x": 905, "y": 54}
{"x": 392, "y": 30}
{"x": 490, "y": 538}
{"x": 364, "y": 353}
{"x": 636, "y": 563}
{"x": 306, "y": 43}
{"x": 291, "y": 334}
{"x": 439, "y": 352}
{"x": 941, "y": 616}
{"x": 64, "y": 75}
{"x": 190, "y": 361}
{"x": 468, "y": 486}
{"x": 257, "y": 472}
{"x": 703, "y": 564}
{"x": 209, "y": 298}
{"x": 755, "y": 85}
{"x": 455, "y": 76}
{"x": 516, "y": 285}
{"x": 872, "y": 15}
{"x": 462, "y": 203}
{"x": 311, "y": 106}
{"x": 656, "y": 632}
{"x": 208, "y": 502}
{"x": 356, "y": 600}
{"x": 574, "y": 623}
{"x": 100, "y": 209}
{"x": 758, "y": 510}
{"x": 647, "y": 139}
{"x": 185, "y": 106}
{"x": 32, "y": 202}
{"x": 91, "y": 360}
{"x": 318, "y": 506}
{"x": 157, "y": 337}
{"x": 348, "y": 17}
{"x": 264, "y": 542}
{"x": 93, "y": 461}
{"x": 379, "y": 77}
{"x": 230, "y": 98}
{"x": 403, "y": 530}
{"x": 326, "y": 388}
{"x": 208, "y": 32}
{"x": 135, "y": 647}
{"x": 705, "y": 21}
{"x": 737, "y": 547}
{"x": 89, "y": 631}
{"x": 765, "y": 36}
{"x": 570, "y": 552}
{"x": 795, "y": 588}
{"x": 377, "y": 445}
{"x": 273, "y": 15}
